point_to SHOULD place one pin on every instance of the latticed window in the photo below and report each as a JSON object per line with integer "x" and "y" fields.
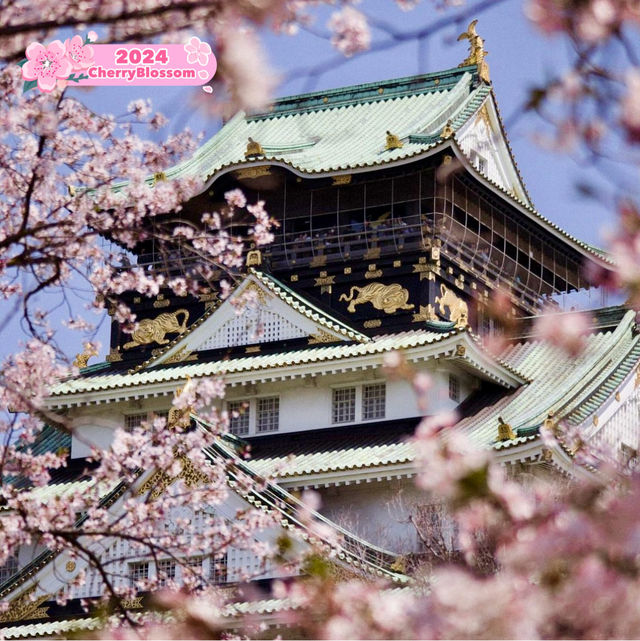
{"x": 374, "y": 400}
{"x": 166, "y": 571}
{"x": 134, "y": 420}
{"x": 267, "y": 414}
{"x": 218, "y": 569}
{"x": 138, "y": 571}
{"x": 9, "y": 568}
{"x": 192, "y": 572}
{"x": 239, "y": 416}
{"x": 454, "y": 388}
{"x": 344, "y": 405}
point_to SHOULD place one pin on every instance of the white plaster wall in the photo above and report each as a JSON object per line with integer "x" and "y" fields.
{"x": 377, "y": 512}
{"x": 305, "y": 404}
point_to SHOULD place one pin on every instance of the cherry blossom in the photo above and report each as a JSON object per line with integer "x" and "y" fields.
{"x": 350, "y": 31}
{"x": 46, "y": 64}
{"x": 197, "y": 51}
{"x": 80, "y": 55}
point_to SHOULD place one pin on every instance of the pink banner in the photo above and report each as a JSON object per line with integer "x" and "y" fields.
{"x": 78, "y": 61}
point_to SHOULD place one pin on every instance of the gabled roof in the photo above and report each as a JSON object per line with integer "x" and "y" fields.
{"x": 457, "y": 344}
{"x": 289, "y": 313}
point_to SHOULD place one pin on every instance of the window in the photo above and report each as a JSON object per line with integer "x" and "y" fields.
{"x": 267, "y": 414}
{"x": 344, "y": 405}
{"x": 166, "y": 571}
{"x": 454, "y": 388}
{"x": 192, "y": 571}
{"x": 374, "y": 399}
{"x": 134, "y": 420}
{"x": 218, "y": 569}
{"x": 239, "y": 416}
{"x": 138, "y": 571}
{"x": 9, "y": 568}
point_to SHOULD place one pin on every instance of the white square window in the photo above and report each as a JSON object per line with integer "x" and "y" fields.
{"x": 218, "y": 569}
{"x": 344, "y": 405}
{"x": 454, "y": 388}
{"x": 138, "y": 571}
{"x": 166, "y": 571}
{"x": 374, "y": 401}
{"x": 239, "y": 416}
{"x": 267, "y": 414}
{"x": 192, "y": 571}
{"x": 134, "y": 420}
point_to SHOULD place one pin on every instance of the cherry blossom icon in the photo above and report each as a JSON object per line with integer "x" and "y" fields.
{"x": 197, "y": 51}
{"x": 80, "y": 55}
{"x": 46, "y": 64}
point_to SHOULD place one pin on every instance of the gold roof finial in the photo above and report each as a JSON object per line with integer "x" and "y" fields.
{"x": 447, "y": 131}
{"x": 82, "y": 359}
{"x": 477, "y": 54}
{"x": 253, "y": 149}
{"x": 393, "y": 142}
{"x": 505, "y": 431}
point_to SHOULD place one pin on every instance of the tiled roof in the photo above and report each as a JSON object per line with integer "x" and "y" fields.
{"x": 54, "y": 629}
{"x": 379, "y": 345}
{"x": 322, "y": 131}
{"x": 333, "y": 449}
{"x": 559, "y": 383}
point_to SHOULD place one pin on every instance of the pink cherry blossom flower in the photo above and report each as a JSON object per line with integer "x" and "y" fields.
{"x": 80, "y": 55}
{"x": 46, "y": 64}
{"x": 92, "y": 36}
{"x": 351, "y": 32}
{"x": 197, "y": 51}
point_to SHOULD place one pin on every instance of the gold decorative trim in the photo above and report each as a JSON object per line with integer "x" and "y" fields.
{"x": 70, "y": 566}
{"x": 461, "y": 350}
{"x": 448, "y": 130}
{"x": 393, "y": 142}
{"x": 252, "y": 349}
{"x": 205, "y": 298}
{"x": 347, "y": 271}
{"x": 252, "y": 172}
{"x": 294, "y": 278}
{"x": 254, "y": 148}
{"x": 183, "y": 354}
{"x": 155, "y": 330}
{"x": 161, "y": 301}
{"x": 114, "y": 355}
{"x": 372, "y": 254}
{"x": 321, "y": 337}
{"x": 132, "y": 604}
{"x": 375, "y": 274}
{"x": 262, "y": 295}
{"x": 325, "y": 280}
{"x": 477, "y": 53}
{"x": 427, "y": 313}
{"x": 376, "y": 322}
{"x": 159, "y": 481}
{"x": 423, "y": 269}
{"x": 388, "y": 298}
{"x": 595, "y": 421}
{"x": 254, "y": 258}
{"x": 343, "y": 179}
{"x": 458, "y": 309}
{"x": 82, "y": 359}
{"x": 318, "y": 261}
{"x": 505, "y": 431}
{"x": 618, "y": 396}
{"x": 24, "y": 607}
{"x": 397, "y": 263}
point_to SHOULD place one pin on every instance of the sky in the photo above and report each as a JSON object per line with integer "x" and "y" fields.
{"x": 519, "y": 60}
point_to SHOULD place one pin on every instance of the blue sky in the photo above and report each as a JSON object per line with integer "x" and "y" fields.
{"x": 519, "y": 59}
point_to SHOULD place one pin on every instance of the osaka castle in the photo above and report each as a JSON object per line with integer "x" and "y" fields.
{"x": 401, "y": 214}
